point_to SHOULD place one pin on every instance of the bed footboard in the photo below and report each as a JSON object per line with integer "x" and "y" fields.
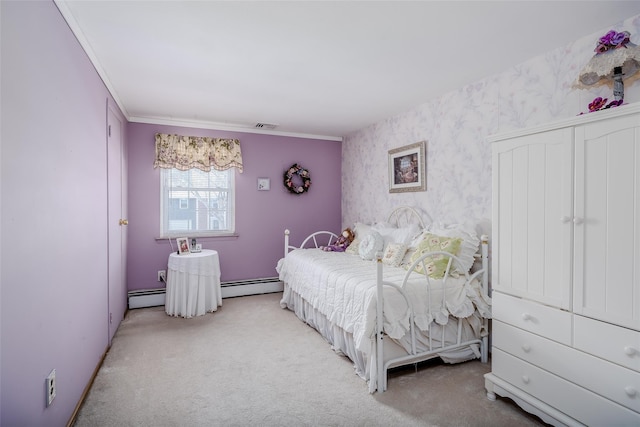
{"x": 382, "y": 365}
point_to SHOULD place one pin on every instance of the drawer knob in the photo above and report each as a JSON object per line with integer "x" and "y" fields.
{"x": 525, "y": 379}
{"x": 631, "y": 392}
{"x": 578, "y": 220}
{"x": 526, "y": 348}
{"x": 629, "y": 351}
{"x": 526, "y": 316}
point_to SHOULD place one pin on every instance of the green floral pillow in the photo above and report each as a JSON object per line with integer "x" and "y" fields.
{"x": 437, "y": 264}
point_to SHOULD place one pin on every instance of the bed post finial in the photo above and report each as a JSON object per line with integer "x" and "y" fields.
{"x": 286, "y": 241}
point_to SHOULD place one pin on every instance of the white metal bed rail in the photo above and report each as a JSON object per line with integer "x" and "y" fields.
{"x": 315, "y": 240}
{"x": 415, "y": 356}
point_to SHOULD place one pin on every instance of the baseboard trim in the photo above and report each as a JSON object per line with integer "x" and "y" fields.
{"x": 231, "y": 289}
{"x": 87, "y": 388}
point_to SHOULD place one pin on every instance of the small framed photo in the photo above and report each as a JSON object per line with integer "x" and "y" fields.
{"x": 183, "y": 245}
{"x": 407, "y": 168}
{"x": 264, "y": 184}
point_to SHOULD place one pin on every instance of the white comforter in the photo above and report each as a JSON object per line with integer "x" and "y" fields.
{"x": 343, "y": 288}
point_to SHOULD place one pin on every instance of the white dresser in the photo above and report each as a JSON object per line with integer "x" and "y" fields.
{"x": 566, "y": 269}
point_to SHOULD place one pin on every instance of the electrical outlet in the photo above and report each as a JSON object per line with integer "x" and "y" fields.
{"x": 162, "y": 276}
{"x": 51, "y": 387}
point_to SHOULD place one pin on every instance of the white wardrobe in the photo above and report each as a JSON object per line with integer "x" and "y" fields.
{"x": 566, "y": 269}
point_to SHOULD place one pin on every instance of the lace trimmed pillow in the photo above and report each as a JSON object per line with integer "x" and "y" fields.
{"x": 435, "y": 265}
{"x": 467, "y": 235}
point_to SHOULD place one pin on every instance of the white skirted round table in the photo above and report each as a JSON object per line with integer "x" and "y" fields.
{"x": 193, "y": 284}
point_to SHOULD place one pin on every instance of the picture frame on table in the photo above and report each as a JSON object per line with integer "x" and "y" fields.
{"x": 195, "y": 246}
{"x": 183, "y": 246}
{"x": 407, "y": 168}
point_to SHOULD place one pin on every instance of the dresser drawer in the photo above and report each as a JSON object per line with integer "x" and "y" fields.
{"x": 575, "y": 401}
{"x": 614, "y": 343}
{"x": 533, "y": 317}
{"x": 619, "y": 384}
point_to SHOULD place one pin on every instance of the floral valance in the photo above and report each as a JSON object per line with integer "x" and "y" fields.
{"x": 200, "y": 152}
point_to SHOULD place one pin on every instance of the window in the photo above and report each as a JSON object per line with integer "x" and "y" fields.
{"x": 196, "y": 203}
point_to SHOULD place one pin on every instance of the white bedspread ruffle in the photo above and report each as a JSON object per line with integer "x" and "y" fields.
{"x": 342, "y": 287}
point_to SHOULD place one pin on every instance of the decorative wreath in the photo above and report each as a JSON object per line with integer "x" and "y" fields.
{"x": 301, "y": 172}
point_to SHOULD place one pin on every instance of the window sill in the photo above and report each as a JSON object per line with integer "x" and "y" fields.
{"x": 221, "y": 236}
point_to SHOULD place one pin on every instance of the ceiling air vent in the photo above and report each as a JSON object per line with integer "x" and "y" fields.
{"x": 265, "y": 126}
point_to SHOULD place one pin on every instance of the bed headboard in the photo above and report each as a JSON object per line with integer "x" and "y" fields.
{"x": 405, "y": 215}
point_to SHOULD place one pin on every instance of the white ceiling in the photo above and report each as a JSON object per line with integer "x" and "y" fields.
{"x": 318, "y": 68}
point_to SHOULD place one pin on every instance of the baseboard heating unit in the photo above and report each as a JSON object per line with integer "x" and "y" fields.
{"x": 241, "y": 288}
{"x": 146, "y": 298}
{"x": 155, "y": 297}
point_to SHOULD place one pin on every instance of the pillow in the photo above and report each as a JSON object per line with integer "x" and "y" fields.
{"x": 394, "y": 253}
{"x": 408, "y": 233}
{"x": 436, "y": 265}
{"x": 470, "y": 241}
{"x": 354, "y": 247}
{"x": 361, "y": 228}
{"x": 418, "y": 239}
{"x": 411, "y": 248}
{"x": 371, "y": 244}
{"x": 392, "y": 234}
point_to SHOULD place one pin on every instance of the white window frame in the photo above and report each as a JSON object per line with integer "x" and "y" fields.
{"x": 165, "y": 232}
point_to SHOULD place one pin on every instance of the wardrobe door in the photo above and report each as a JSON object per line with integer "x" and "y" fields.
{"x": 532, "y": 210}
{"x": 607, "y": 221}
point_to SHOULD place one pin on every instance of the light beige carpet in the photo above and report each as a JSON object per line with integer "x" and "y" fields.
{"x": 252, "y": 363}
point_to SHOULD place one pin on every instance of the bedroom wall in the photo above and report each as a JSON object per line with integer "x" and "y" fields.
{"x": 456, "y": 126}
{"x": 261, "y": 216}
{"x": 53, "y": 216}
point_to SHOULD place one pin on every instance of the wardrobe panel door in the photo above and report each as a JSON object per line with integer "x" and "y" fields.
{"x": 607, "y": 233}
{"x": 532, "y": 205}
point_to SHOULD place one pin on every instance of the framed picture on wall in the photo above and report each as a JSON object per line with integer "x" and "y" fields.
{"x": 183, "y": 245}
{"x": 264, "y": 184}
{"x": 407, "y": 168}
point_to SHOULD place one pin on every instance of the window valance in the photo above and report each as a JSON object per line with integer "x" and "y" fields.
{"x": 200, "y": 152}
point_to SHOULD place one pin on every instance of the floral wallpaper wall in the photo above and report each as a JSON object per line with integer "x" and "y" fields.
{"x": 455, "y": 128}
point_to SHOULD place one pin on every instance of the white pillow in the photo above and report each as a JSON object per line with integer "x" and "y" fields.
{"x": 361, "y": 229}
{"x": 392, "y": 234}
{"x": 408, "y": 233}
{"x": 371, "y": 244}
{"x": 394, "y": 253}
{"x": 412, "y": 247}
{"x": 470, "y": 241}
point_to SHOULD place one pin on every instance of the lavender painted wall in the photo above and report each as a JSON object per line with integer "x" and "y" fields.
{"x": 53, "y": 216}
{"x": 53, "y": 299}
{"x": 261, "y": 216}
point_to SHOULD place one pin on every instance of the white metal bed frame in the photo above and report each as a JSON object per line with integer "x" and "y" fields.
{"x": 403, "y": 216}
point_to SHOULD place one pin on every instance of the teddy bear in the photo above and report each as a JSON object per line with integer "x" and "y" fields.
{"x": 343, "y": 241}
